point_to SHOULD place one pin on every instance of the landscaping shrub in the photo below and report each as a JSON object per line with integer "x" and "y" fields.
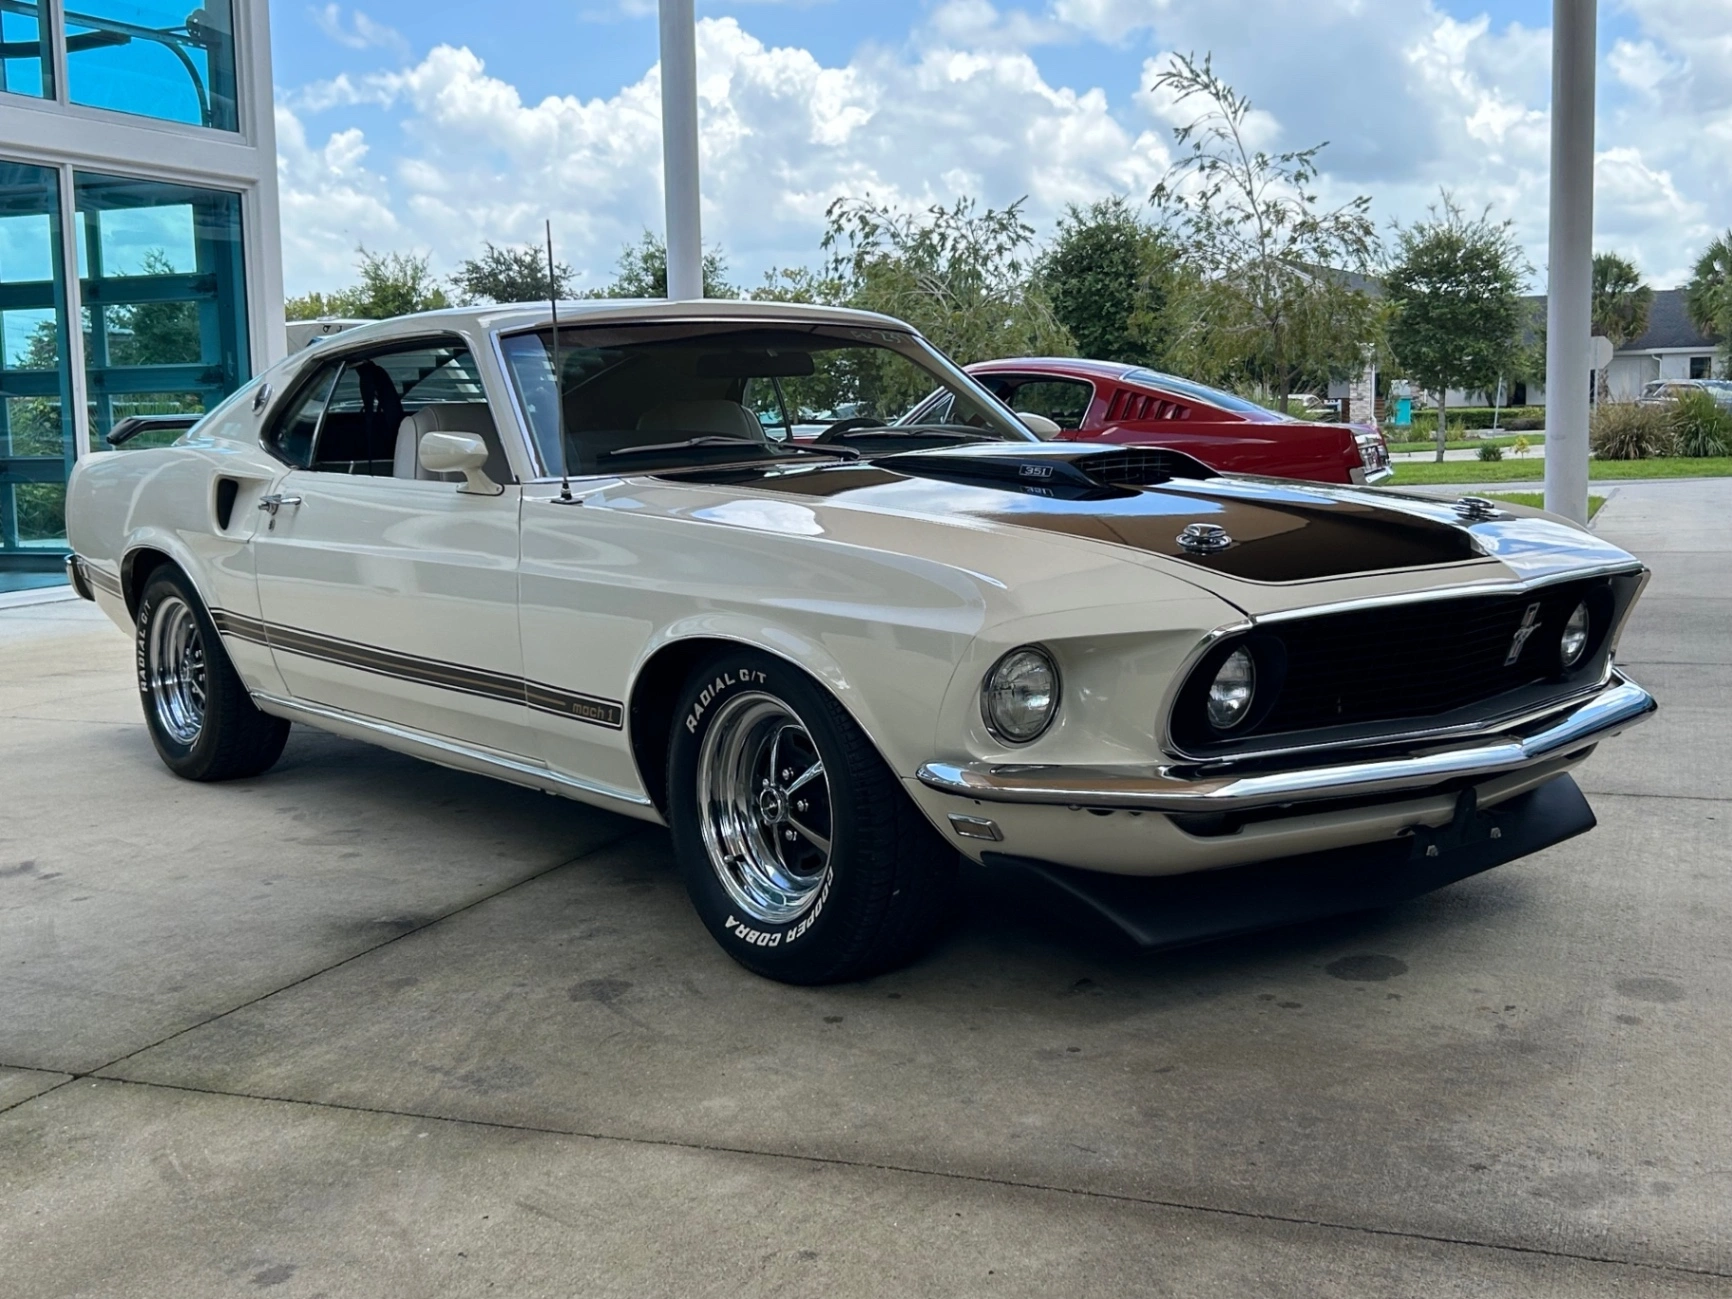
{"x": 1511, "y": 419}
{"x": 1623, "y": 430}
{"x": 1701, "y": 426}
{"x": 1491, "y": 451}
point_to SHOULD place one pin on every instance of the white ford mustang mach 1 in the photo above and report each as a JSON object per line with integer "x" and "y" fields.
{"x": 596, "y": 560}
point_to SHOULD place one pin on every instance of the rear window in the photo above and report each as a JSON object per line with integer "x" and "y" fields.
{"x": 1196, "y": 392}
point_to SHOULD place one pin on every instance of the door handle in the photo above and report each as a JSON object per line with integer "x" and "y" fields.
{"x": 274, "y": 502}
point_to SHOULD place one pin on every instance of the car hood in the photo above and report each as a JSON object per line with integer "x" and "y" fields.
{"x": 1142, "y": 499}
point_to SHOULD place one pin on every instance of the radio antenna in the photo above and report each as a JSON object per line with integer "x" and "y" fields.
{"x": 558, "y": 395}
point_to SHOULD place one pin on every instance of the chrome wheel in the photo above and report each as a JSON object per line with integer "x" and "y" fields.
{"x": 764, "y": 808}
{"x": 175, "y": 670}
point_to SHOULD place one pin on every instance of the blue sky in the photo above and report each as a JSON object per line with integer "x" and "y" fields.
{"x": 432, "y": 125}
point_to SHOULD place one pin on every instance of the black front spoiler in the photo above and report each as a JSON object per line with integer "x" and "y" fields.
{"x": 1178, "y": 910}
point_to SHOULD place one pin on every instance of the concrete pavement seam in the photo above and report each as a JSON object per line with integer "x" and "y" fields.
{"x": 913, "y": 1171}
{"x": 353, "y": 956}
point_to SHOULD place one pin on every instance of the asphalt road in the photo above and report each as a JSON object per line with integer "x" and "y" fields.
{"x": 366, "y": 1027}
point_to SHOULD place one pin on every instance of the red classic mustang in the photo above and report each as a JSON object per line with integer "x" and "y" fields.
{"x": 1101, "y": 401}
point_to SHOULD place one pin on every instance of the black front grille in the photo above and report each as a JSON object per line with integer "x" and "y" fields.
{"x": 1397, "y": 663}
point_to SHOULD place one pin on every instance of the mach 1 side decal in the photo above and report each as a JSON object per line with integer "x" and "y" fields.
{"x": 424, "y": 671}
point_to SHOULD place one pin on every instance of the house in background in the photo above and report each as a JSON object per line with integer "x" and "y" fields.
{"x": 1673, "y": 348}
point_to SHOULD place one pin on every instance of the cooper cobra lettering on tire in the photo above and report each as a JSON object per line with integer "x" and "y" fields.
{"x": 800, "y": 850}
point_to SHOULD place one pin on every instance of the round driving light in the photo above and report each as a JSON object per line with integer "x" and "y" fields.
{"x": 1020, "y": 695}
{"x": 1230, "y": 692}
{"x": 1575, "y": 637}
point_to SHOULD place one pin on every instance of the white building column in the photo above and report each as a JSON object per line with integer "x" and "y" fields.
{"x": 685, "y": 238}
{"x": 1569, "y": 262}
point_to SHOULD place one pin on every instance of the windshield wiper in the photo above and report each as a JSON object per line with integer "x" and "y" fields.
{"x": 715, "y": 440}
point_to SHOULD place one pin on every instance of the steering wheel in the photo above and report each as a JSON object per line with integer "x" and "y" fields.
{"x": 835, "y": 431}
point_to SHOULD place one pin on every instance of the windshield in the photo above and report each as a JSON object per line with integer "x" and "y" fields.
{"x": 639, "y": 398}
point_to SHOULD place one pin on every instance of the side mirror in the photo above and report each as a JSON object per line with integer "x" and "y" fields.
{"x": 1043, "y": 428}
{"x": 458, "y": 453}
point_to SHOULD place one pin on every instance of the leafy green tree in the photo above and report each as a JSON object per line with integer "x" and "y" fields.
{"x": 1708, "y": 295}
{"x": 1621, "y": 304}
{"x": 642, "y": 272}
{"x": 799, "y": 284}
{"x": 1114, "y": 283}
{"x": 960, "y": 275}
{"x": 1278, "y": 301}
{"x": 510, "y": 275}
{"x": 392, "y": 284}
{"x": 1455, "y": 292}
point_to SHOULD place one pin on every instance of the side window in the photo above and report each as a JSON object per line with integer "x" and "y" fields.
{"x": 384, "y": 402}
{"x": 291, "y": 439}
{"x": 1064, "y": 401}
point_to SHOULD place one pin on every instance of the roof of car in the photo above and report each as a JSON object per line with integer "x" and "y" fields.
{"x": 1065, "y": 364}
{"x": 598, "y": 311}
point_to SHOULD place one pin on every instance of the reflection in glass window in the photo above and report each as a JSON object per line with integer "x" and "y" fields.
{"x": 35, "y": 384}
{"x": 164, "y": 291}
{"x": 172, "y": 59}
{"x": 25, "y": 62}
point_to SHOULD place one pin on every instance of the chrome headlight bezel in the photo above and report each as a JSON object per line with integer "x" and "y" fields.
{"x": 995, "y": 684}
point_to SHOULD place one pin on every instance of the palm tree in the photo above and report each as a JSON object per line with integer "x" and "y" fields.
{"x": 1621, "y": 304}
{"x": 1708, "y": 295}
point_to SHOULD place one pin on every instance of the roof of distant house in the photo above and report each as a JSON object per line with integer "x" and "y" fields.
{"x": 1669, "y": 326}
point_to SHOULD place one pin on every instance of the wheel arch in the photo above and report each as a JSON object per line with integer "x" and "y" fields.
{"x": 655, "y": 690}
{"x": 144, "y": 556}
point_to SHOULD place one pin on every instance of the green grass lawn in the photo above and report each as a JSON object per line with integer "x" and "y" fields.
{"x": 1538, "y": 500}
{"x": 1410, "y": 473}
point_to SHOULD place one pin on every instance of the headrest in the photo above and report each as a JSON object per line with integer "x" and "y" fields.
{"x": 727, "y": 418}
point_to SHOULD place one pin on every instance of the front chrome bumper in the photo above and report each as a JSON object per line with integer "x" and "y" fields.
{"x": 1216, "y": 787}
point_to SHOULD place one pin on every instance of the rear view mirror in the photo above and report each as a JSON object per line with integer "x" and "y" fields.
{"x": 1043, "y": 428}
{"x": 458, "y": 453}
{"x": 755, "y": 364}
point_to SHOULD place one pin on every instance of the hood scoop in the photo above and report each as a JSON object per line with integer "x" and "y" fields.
{"x": 1062, "y": 472}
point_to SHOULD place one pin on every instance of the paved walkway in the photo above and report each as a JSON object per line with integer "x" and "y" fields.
{"x": 364, "y": 1027}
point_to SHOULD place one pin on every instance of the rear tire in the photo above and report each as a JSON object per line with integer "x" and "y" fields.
{"x": 802, "y": 853}
{"x": 200, "y": 717}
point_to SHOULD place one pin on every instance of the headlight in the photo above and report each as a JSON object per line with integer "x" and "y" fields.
{"x": 1231, "y": 690}
{"x": 1019, "y": 697}
{"x": 1575, "y": 637}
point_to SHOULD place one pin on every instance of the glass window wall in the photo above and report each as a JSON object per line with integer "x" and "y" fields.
{"x": 36, "y": 434}
{"x": 161, "y": 275}
{"x": 152, "y": 57}
{"x": 26, "y": 59}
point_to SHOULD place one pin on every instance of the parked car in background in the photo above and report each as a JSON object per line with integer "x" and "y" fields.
{"x": 1663, "y": 392}
{"x": 596, "y": 561}
{"x": 1102, "y": 401}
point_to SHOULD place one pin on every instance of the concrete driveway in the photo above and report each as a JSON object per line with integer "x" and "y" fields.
{"x": 367, "y": 1027}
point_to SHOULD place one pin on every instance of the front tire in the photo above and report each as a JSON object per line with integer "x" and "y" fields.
{"x": 200, "y": 717}
{"x": 802, "y": 854}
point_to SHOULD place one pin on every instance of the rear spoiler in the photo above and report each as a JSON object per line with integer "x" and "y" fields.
{"x": 133, "y": 425}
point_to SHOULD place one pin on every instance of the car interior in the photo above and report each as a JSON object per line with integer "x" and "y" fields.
{"x": 365, "y": 414}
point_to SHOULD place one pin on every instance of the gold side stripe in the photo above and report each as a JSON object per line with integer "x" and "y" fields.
{"x": 96, "y": 577}
{"x": 424, "y": 671}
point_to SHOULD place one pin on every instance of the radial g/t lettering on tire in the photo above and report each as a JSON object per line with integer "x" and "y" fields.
{"x": 800, "y": 850}
{"x": 201, "y": 719}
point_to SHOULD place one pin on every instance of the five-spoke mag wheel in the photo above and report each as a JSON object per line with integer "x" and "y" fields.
{"x": 174, "y": 667}
{"x": 766, "y": 814}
